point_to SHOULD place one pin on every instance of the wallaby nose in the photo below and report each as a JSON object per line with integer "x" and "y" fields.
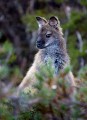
{"x": 40, "y": 43}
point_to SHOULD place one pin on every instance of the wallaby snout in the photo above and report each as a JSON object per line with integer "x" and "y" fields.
{"x": 40, "y": 43}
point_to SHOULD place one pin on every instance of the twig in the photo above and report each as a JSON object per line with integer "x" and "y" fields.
{"x": 66, "y": 34}
{"x": 80, "y": 45}
{"x": 79, "y": 37}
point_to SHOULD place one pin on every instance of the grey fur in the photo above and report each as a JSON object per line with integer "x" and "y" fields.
{"x": 53, "y": 49}
{"x": 58, "y": 57}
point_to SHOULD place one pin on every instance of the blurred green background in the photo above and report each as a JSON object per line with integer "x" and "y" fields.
{"x": 18, "y": 28}
{"x": 18, "y": 32}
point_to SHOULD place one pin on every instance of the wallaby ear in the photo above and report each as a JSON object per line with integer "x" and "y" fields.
{"x": 41, "y": 21}
{"x": 53, "y": 21}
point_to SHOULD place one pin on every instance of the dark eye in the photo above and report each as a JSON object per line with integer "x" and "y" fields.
{"x": 48, "y": 35}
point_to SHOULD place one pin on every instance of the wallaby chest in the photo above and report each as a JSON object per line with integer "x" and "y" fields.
{"x": 55, "y": 57}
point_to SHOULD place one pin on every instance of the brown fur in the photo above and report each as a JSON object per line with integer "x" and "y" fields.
{"x": 42, "y": 57}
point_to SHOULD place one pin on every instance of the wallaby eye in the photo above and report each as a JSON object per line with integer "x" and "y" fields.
{"x": 48, "y": 34}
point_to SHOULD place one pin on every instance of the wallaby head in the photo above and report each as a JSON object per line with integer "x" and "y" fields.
{"x": 49, "y": 32}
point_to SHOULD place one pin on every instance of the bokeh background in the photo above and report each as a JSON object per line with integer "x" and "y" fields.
{"x": 18, "y": 32}
{"x": 18, "y": 28}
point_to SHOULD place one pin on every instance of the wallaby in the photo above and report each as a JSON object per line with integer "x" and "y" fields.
{"x": 51, "y": 45}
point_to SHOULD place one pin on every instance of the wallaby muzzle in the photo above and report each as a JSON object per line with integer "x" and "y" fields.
{"x": 40, "y": 43}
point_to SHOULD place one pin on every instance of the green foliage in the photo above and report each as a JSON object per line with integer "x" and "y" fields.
{"x": 84, "y": 2}
{"x": 73, "y": 25}
{"x": 8, "y": 47}
{"x": 8, "y": 56}
{"x": 5, "y": 113}
{"x": 74, "y": 21}
{"x": 52, "y": 101}
{"x": 31, "y": 115}
{"x": 82, "y": 73}
{"x": 29, "y": 20}
{"x": 4, "y": 71}
{"x": 59, "y": 1}
{"x": 47, "y": 94}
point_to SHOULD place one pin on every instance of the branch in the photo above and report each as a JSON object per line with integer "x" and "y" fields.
{"x": 79, "y": 37}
